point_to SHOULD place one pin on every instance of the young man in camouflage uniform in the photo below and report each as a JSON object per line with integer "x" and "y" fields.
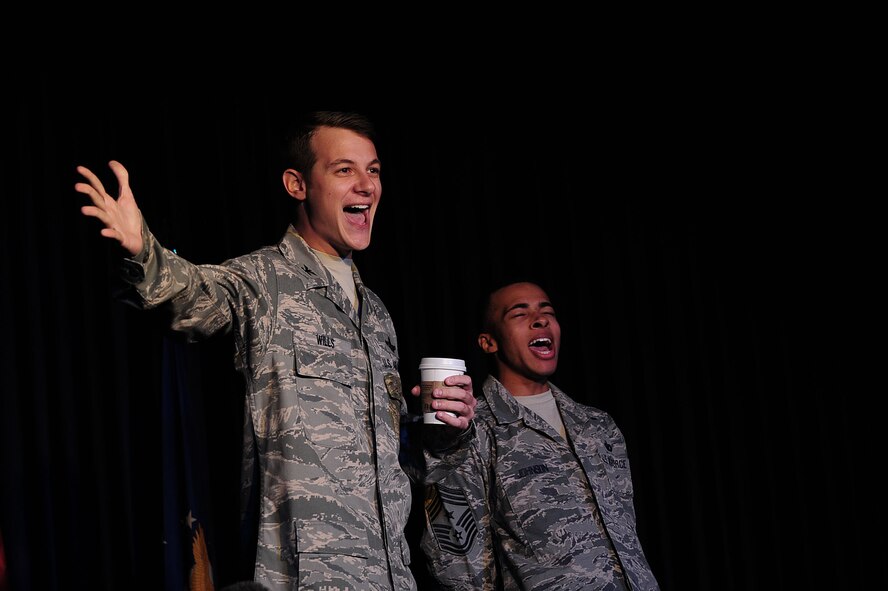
{"x": 544, "y": 500}
{"x": 320, "y": 357}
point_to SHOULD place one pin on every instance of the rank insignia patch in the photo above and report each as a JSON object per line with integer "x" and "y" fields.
{"x": 451, "y": 519}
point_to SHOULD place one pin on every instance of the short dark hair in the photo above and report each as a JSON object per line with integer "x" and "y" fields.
{"x": 297, "y": 148}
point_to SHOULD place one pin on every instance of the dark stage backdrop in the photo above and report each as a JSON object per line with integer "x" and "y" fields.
{"x": 695, "y": 243}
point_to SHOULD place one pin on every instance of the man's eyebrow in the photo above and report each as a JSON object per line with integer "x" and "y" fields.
{"x": 339, "y": 161}
{"x": 525, "y": 306}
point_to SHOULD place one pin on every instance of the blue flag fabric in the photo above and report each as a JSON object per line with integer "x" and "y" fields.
{"x": 187, "y": 553}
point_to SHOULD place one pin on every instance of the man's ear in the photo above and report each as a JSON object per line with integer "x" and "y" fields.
{"x": 487, "y": 343}
{"x": 294, "y": 184}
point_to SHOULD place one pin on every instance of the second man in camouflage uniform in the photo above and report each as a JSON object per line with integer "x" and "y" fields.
{"x": 544, "y": 499}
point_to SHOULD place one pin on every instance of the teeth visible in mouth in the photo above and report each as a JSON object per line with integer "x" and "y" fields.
{"x": 541, "y": 342}
{"x": 356, "y": 208}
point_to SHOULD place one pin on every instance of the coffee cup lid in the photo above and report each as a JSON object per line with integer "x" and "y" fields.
{"x": 442, "y": 363}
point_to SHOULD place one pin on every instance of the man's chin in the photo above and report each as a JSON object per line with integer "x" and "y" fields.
{"x": 360, "y": 244}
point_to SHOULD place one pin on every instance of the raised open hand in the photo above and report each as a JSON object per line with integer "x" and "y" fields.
{"x": 121, "y": 216}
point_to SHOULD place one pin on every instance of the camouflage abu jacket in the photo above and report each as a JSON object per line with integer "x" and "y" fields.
{"x": 323, "y": 404}
{"x": 561, "y": 515}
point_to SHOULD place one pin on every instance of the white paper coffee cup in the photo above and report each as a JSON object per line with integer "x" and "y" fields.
{"x": 432, "y": 371}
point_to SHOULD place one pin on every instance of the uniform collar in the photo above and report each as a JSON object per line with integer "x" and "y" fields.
{"x": 297, "y": 251}
{"x": 506, "y": 409}
{"x": 314, "y": 273}
{"x": 503, "y": 405}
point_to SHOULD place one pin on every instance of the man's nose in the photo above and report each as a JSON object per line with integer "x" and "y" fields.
{"x": 365, "y": 183}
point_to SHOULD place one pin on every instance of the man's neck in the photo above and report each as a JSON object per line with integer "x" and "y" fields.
{"x": 518, "y": 385}
{"x": 316, "y": 241}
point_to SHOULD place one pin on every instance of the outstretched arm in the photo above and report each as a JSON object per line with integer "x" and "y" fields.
{"x": 121, "y": 216}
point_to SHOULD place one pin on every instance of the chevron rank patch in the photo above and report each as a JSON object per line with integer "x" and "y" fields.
{"x": 451, "y": 519}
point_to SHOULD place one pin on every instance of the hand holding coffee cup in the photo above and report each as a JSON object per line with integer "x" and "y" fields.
{"x": 433, "y": 371}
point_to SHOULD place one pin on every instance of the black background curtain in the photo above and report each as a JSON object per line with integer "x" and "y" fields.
{"x": 694, "y": 239}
